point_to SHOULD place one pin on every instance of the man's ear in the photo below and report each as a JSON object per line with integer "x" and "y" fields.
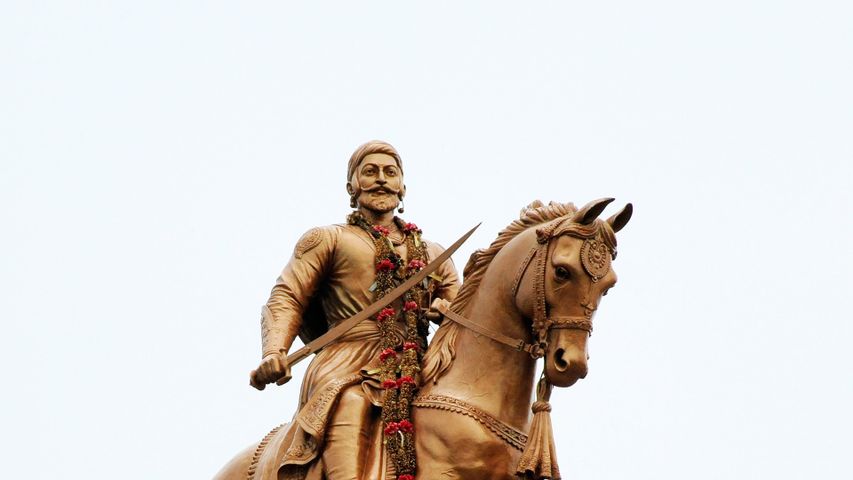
{"x": 350, "y": 189}
{"x": 402, "y": 192}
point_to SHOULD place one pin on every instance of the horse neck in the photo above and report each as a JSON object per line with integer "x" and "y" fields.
{"x": 485, "y": 373}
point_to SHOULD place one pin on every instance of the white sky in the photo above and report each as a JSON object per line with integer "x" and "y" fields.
{"x": 158, "y": 161}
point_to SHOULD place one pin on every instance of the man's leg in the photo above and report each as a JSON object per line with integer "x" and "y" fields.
{"x": 347, "y": 437}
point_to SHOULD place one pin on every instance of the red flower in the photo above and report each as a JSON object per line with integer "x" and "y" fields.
{"x": 406, "y": 476}
{"x": 381, "y": 230}
{"x": 391, "y": 428}
{"x": 411, "y": 227}
{"x": 405, "y": 426}
{"x": 385, "y": 314}
{"x": 404, "y": 380}
{"x": 416, "y": 265}
{"x": 410, "y": 346}
{"x": 389, "y": 384}
{"x": 385, "y": 265}
{"x": 387, "y": 353}
{"x": 410, "y": 306}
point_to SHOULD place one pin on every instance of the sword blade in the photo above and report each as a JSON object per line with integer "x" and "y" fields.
{"x": 343, "y": 327}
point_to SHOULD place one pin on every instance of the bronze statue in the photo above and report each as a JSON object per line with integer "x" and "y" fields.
{"x": 531, "y": 294}
{"x": 336, "y": 272}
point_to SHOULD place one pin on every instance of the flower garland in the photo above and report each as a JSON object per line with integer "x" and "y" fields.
{"x": 399, "y": 364}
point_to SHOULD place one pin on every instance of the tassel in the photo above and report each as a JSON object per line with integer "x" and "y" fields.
{"x": 539, "y": 459}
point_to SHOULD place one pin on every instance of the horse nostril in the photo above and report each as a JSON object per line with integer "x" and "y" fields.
{"x": 559, "y": 363}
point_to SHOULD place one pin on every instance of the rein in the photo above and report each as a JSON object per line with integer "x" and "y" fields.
{"x": 519, "y": 344}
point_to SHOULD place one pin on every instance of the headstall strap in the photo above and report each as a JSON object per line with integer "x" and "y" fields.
{"x": 540, "y": 309}
{"x": 595, "y": 257}
{"x": 522, "y": 269}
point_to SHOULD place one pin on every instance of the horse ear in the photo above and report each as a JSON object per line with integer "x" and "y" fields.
{"x": 620, "y": 218}
{"x": 591, "y": 211}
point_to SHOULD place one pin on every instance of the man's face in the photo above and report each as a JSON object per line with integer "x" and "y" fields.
{"x": 379, "y": 182}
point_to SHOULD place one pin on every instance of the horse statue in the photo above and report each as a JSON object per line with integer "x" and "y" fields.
{"x": 532, "y": 294}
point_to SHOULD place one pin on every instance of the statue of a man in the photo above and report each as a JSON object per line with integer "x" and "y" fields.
{"x": 335, "y": 272}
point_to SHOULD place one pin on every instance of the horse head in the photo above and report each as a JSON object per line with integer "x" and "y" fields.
{"x": 560, "y": 284}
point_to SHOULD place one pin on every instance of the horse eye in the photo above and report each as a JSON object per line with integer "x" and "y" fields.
{"x": 562, "y": 272}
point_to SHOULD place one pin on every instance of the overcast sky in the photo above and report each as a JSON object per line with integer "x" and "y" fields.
{"x": 159, "y": 160}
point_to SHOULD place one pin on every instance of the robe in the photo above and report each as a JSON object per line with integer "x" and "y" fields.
{"x": 333, "y": 268}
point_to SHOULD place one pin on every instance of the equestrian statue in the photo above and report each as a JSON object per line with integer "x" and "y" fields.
{"x": 376, "y": 402}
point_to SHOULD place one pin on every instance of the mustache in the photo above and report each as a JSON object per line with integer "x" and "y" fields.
{"x": 380, "y": 188}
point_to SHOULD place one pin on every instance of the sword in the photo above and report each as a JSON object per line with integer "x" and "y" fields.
{"x": 333, "y": 334}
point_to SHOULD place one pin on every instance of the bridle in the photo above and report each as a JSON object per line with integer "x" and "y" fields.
{"x": 543, "y": 322}
{"x": 538, "y": 457}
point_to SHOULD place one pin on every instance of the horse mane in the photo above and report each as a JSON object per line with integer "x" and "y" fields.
{"x": 441, "y": 352}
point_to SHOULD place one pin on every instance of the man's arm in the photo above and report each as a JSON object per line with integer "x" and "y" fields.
{"x": 448, "y": 287}
{"x": 281, "y": 317}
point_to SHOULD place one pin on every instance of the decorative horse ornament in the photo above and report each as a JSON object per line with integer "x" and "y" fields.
{"x": 532, "y": 294}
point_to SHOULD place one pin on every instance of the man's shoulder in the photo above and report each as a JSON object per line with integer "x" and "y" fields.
{"x": 326, "y": 235}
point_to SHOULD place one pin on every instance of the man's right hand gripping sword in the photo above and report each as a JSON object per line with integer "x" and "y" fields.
{"x": 274, "y": 367}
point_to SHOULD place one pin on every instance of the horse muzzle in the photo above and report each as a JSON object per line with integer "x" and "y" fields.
{"x": 566, "y": 358}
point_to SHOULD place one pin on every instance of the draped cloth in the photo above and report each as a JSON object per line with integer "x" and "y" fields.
{"x": 335, "y": 369}
{"x": 336, "y": 271}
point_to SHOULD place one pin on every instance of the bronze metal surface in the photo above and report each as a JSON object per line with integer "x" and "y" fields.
{"x": 537, "y": 287}
{"x": 347, "y": 325}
